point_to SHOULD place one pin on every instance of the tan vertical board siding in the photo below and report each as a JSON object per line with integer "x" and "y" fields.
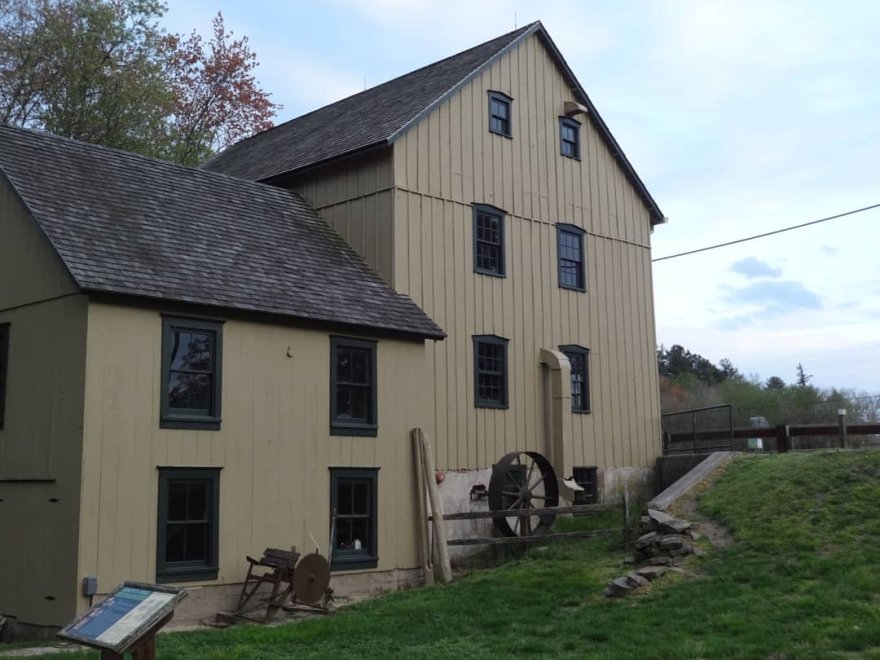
{"x": 41, "y": 441}
{"x": 355, "y": 197}
{"x": 31, "y": 269}
{"x": 40, "y": 457}
{"x": 274, "y": 445}
{"x": 527, "y": 177}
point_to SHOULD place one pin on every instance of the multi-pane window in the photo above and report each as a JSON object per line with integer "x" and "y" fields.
{"x": 191, "y": 351}
{"x": 352, "y": 386}
{"x": 353, "y": 519}
{"x": 4, "y": 363}
{"x": 570, "y": 246}
{"x": 490, "y": 371}
{"x": 579, "y": 359}
{"x": 188, "y": 524}
{"x": 585, "y": 477}
{"x": 499, "y": 113}
{"x": 488, "y": 240}
{"x": 569, "y": 137}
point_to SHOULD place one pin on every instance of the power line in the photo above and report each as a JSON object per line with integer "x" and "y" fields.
{"x": 769, "y": 233}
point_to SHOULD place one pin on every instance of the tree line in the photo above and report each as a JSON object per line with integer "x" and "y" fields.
{"x": 688, "y": 381}
{"x": 103, "y": 71}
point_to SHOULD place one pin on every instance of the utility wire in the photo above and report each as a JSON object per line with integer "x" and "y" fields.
{"x": 769, "y": 233}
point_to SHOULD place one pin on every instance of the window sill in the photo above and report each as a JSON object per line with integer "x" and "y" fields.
{"x": 366, "y": 430}
{"x": 490, "y": 273}
{"x": 195, "y": 423}
{"x": 187, "y": 575}
{"x": 581, "y": 412}
{"x": 576, "y": 289}
{"x": 353, "y": 563}
{"x": 492, "y": 405}
{"x": 500, "y": 134}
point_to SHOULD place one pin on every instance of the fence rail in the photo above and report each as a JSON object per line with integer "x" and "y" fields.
{"x": 689, "y": 442}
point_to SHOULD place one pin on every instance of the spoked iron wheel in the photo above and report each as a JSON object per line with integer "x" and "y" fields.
{"x": 523, "y": 480}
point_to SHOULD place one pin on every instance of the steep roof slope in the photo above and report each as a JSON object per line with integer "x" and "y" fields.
{"x": 364, "y": 120}
{"x": 126, "y": 224}
{"x": 377, "y": 116}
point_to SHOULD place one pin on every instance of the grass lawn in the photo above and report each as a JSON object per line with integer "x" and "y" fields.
{"x": 802, "y": 580}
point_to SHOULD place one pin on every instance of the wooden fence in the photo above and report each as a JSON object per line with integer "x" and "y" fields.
{"x": 783, "y": 437}
{"x": 580, "y": 509}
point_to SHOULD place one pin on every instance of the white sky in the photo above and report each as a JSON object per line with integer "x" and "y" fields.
{"x": 740, "y": 117}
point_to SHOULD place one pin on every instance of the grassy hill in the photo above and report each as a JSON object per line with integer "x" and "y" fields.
{"x": 802, "y": 580}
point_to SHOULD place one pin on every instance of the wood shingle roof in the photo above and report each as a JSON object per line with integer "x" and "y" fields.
{"x": 377, "y": 116}
{"x": 136, "y": 226}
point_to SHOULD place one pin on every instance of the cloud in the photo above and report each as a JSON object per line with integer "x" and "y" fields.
{"x": 751, "y": 268}
{"x": 771, "y": 298}
{"x": 828, "y": 251}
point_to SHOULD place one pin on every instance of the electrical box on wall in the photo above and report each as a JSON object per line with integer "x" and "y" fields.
{"x": 90, "y": 585}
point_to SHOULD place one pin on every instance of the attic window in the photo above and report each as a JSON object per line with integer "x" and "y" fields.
{"x": 570, "y": 138}
{"x": 499, "y": 113}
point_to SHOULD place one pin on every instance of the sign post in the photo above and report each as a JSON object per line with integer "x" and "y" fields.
{"x": 127, "y": 620}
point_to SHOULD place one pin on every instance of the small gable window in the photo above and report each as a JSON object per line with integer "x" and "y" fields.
{"x": 488, "y": 240}
{"x": 499, "y": 113}
{"x": 571, "y": 257}
{"x": 352, "y": 387}
{"x": 579, "y": 359}
{"x": 490, "y": 371}
{"x": 570, "y": 138}
{"x": 191, "y": 359}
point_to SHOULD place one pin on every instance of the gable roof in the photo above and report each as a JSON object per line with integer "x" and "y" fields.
{"x": 127, "y": 224}
{"x": 378, "y": 116}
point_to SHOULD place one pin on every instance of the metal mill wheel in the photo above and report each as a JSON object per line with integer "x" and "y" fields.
{"x": 523, "y": 480}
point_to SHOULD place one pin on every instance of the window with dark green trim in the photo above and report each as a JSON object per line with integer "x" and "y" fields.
{"x": 4, "y": 365}
{"x": 579, "y": 359}
{"x": 585, "y": 477}
{"x": 353, "y": 391}
{"x": 488, "y": 240}
{"x": 187, "y": 537}
{"x": 500, "y": 113}
{"x": 570, "y": 246}
{"x": 570, "y": 138}
{"x": 490, "y": 371}
{"x": 191, "y": 373}
{"x": 353, "y": 518}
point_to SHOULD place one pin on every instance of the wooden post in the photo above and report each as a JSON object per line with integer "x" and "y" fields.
{"x": 782, "y": 438}
{"x": 625, "y": 517}
{"x": 436, "y": 508}
{"x": 841, "y": 422}
{"x": 422, "y": 513}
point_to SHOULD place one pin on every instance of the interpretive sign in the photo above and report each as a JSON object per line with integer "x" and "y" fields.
{"x": 127, "y": 616}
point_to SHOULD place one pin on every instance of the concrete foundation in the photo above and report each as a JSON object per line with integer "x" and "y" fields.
{"x": 204, "y": 602}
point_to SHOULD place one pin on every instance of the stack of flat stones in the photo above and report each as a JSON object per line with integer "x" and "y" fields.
{"x": 665, "y": 541}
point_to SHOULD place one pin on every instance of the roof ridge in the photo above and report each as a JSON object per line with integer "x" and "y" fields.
{"x": 517, "y": 32}
{"x": 133, "y": 155}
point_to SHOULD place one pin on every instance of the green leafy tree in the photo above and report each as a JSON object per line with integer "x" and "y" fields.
{"x": 104, "y": 71}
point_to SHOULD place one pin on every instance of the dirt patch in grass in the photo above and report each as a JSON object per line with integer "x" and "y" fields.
{"x": 688, "y": 509}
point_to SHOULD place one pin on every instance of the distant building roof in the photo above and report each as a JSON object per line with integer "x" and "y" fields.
{"x": 131, "y": 225}
{"x": 377, "y": 116}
